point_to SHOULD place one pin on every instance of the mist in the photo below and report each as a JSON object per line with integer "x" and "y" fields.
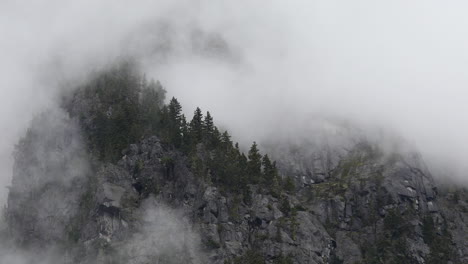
{"x": 263, "y": 70}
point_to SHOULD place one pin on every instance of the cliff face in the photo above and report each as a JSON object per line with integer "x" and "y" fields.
{"x": 113, "y": 217}
{"x": 68, "y": 204}
{"x": 382, "y": 208}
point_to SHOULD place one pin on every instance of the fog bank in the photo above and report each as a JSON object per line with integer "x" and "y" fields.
{"x": 258, "y": 67}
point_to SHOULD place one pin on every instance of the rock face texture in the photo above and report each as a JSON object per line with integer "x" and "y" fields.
{"x": 381, "y": 207}
{"x": 109, "y": 221}
{"x": 145, "y": 203}
{"x": 150, "y": 208}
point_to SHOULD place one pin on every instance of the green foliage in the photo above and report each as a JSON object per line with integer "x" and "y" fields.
{"x": 86, "y": 204}
{"x": 196, "y": 126}
{"x": 124, "y": 107}
{"x": 390, "y": 245}
{"x": 385, "y": 250}
{"x": 283, "y": 260}
{"x": 393, "y": 222}
{"x": 208, "y": 127}
{"x": 247, "y": 194}
{"x": 254, "y": 165}
{"x": 212, "y": 244}
{"x": 285, "y": 206}
{"x": 138, "y": 167}
{"x": 250, "y": 257}
{"x": 152, "y": 98}
{"x": 233, "y": 209}
{"x": 270, "y": 173}
{"x": 293, "y": 224}
{"x": 428, "y": 230}
{"x": 439, "y": 244}
{"x": 289, "y": 185}
{"x": 334, "y": 259}
{"x": 173, "y": 123}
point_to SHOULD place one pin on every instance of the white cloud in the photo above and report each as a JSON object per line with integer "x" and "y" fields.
{"x": 399, "y": 64}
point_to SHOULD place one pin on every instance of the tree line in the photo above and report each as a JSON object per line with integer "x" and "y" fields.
{"x": 127, "y": 107}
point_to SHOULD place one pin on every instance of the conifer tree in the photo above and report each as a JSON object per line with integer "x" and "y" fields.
{"x": 289, "y": 185}
{"x": 175, "y": 122}
{"x": 151, "y": 102}
{"x": 196, "y": 126}
{"x": 243, "y": 168}
{"x": 254, "y": 165}
{"x": 226, "y": 139}
{"x": 215, "y": 139}
{"x": 184, "y": 128}
{"x": 175, "y": 110}
{"x": 208, "y": 124}
{"x": 159, "y": 91}
{"x": 269, "y": 171}
{"x": 210, "y": 132}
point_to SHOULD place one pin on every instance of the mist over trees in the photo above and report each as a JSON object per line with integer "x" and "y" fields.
{"x": 129, "y": 107}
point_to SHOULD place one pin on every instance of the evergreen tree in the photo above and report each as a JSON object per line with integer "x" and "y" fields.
{"x": 215, "y": 139}
{"x": 175, "y": 110}
{"x": 196, "y": 126}
{"x": 175, "y": 122}
{"x": 254, "y": 165}
{"x": 131, "y": 107}
{"x": 211, "y": 135}
{"x": 269, "y": 171}
{"x": 151, "y": 101}
{"x": 117, "y": 118}
{"x": 160, "y": 91}
{"x": 184, "y": 128}
{"x": 289, "y": 185}
{"x": 226, "y": 140}
{"x": 243, "y": 163}
{"x": 208, "y": 124}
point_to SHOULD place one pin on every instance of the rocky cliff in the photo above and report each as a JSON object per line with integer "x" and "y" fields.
{"x": 69, "y": 203}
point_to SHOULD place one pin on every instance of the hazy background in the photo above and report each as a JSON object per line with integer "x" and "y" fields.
{"x": 259, "y": 66}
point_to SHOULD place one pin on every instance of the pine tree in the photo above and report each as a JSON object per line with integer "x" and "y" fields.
{"x": 215, "y": 139}
{"x": 254, "y": 165}
{"x": 211, "y": 135}
{"x": 175, "y": 110}
{"x": 242, "y": 170}
{"x": 289, "y": 185}
{"x": 196, "y": 126}
{"x": 226, "y": 140}
{"x": 208, "y": 124}
{"x": 151, "y": 101}
{"x": 184, "y": 128}
{"x": 159, "y": 91}
{"x": 175, "y": 122}
{"x": 269, "y": 171}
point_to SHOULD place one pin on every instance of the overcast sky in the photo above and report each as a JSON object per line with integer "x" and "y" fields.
{"x": 396, "y": 64}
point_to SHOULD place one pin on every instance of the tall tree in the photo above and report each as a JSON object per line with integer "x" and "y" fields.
{"x": 160, "y": 91}
{"x": 226, "y": 140}
{"x": 184, "y": 128}
{"x": 175, "y": 110}
{"x": 196, "y": 126}
{"x": 208, "y": 124}
{"x": 254, "y": 165}
{"x": 175, "y": 122}
{"x": 269, "y": 170}
{"x": 151, "y": 100}
{"x": 210, "y": 132}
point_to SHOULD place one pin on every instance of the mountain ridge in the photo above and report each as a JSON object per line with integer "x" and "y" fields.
{"x": 119, "y": 165}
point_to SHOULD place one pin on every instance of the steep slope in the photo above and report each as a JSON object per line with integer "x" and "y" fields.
{"x": 123, "y": 178}
{"x": 380, "y": 207}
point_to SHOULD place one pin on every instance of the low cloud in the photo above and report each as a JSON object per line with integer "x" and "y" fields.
{"x": 257, "y": 67}
{"x": 165, "y": 236}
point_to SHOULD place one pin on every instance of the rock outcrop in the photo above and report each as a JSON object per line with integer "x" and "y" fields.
{"x": 84, "y": 192}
